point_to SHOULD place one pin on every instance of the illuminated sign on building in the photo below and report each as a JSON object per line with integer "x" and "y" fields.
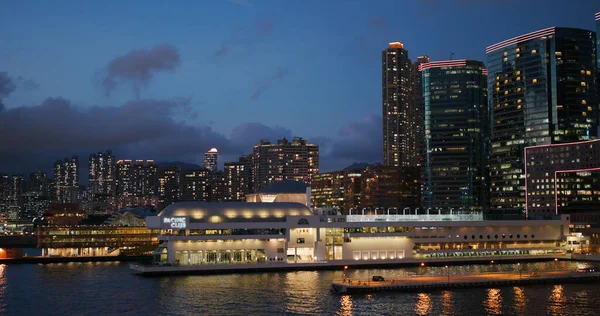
{"x": 180, "y": 222}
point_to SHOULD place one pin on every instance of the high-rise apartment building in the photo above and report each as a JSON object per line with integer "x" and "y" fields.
{"x": 125, "y": 178}
{"x": 39, "y": 183}
{"x": 194, "y": 185}
{"x": 18, "y": 186}
{"x": 598, "y": 40}
{"x": 4, "y": 186}
{"x": 238, "y": 179}
{"x": 168, "y": 186}
{"x": 400, "y": 116}
{"x": 296, "y": 160}
{"x": 541, "y": 91}
{"x": 102, "y": 173}
{"x": 145, "y": 178}
{"x": 209, "y": 161}
{"x": 456, "y": 135}
{"x": 66, "y": 180}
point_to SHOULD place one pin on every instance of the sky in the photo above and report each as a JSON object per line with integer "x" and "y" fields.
{"x": 168, "y": 80}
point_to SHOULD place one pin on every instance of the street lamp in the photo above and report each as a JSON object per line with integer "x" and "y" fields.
{"x": 421, "y": 268}
{"x": 520, "y": 270}
{"x": 345, "y": 268}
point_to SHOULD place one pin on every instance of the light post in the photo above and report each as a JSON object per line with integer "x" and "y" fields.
{"x": 520, "y": 271}
{"x": 421, "y": 268}
{"x": 345, "y": 268}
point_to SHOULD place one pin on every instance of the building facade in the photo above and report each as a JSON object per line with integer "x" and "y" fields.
{"x": 296, "y": 160}
{"x": 194, "y": 185}
{"x": 400, "y": 116}
{"x": 238, "y": 179}
{"x": 339, "y": 189}
{"x": 102, "y": 174}
{"x": 456, "y": 135}
{"x": 419, "y": 106}
{"x": 209, "y": 161}
{"x": 563, "y": 179}
{"x": 541, "y": 91}
{"x": 390, "y": 187}
{"x": 66, "y": 180}
{"x": 168, "y": 186}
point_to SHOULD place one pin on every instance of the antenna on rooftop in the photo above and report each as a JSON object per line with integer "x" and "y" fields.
{"x": 451, "y": 56}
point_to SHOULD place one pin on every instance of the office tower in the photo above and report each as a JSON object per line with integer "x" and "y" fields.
{"x": 386, "y": 187}
{"x": 168, "y": 186}
{"x": 194, "y": 185}
{"x": 34, "y": 205}
{"x": 400, "y": 116}
{"x": 541, "y": 91}
{"x": 66, "y": 180}
{"x": 102, "y": 173}
{"x": 296, "y": 160}
{"x": 238, "y": 179}
{"x": 338, "y": 189}
{"x": 573, "y": 167}
{"x": 209, "y": 161}
{"x": 418, "y": 106}
{"x": 18, "y": 188}
{"x": 39, "y": 183}
{"x": 456, "y": 135}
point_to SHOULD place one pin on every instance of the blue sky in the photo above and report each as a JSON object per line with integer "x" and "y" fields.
{"x": 268, "y": 68}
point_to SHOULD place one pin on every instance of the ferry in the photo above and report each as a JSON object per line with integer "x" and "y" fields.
{"x": 207, "y": 237}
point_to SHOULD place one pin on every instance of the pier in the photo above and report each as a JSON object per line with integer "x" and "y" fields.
{"x": 424, "y": 283}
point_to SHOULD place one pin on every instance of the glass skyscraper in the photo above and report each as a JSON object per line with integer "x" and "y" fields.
{"x": 456, "y": 135}
{"x": 541, "y": 91}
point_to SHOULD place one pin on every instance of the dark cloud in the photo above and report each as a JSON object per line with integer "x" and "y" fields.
{"x": 265, "y": 84}
{"x": 7, "y": 85}
{"x": 138, "y": 66}
{"x": 28, "y": 85}
{"x": 360, "y": 141}
{"x": 252, "y": 133}
{"x": 246, "y": 36}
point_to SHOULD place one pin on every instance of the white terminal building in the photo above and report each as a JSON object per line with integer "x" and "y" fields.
{"x": 215, "y": 235}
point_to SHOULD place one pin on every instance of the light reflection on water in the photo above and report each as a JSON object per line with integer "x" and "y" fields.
{"x": 111, "y": 289}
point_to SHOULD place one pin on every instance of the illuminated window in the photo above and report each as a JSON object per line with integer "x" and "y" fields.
{"x": 519, "y": 107}
{"x": 518, "y": 89}
{"x": 505, "y": 92}
{"x": 518, "y": 72}
{"x": 583, "y": 84}
{"x": 589, "y": 108}
{"x": 518, "y": 55}
{"x": 505, "y": 59}
{"x": 583, "y": 72}
{"x": 518, "y": 78}
{"x": 588, "y": 72}
{"x": 505, "y": 81}
{"x": 534, "y": 51}
{"x": 505, "y": 53}
{"x": 583, "y": 114}
{"x": 519, "y": 101}
{"x": 558, "y": 53}
{"x": 534, "y": 81}
{"x": 518, "y": 49}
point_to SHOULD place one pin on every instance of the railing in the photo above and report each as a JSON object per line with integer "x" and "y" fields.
{"x": 415, "y": 218}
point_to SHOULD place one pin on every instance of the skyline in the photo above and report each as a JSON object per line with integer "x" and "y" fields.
{"x": 179, "y": 79}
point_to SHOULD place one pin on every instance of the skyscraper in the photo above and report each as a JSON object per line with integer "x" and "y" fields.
{"x": 296, "y": 160}
{"x": 400, "y": 116}
{"x": 4, "y": 186}
{"x": 168, "y": 186}
{"x": 18, "y": 186}
{"x": 598, "y": 40}
{"x": 194, "y": 185}
{"x": 209, "y": 161}
{"x": 38, "y": 183}
{"x": 541, "y": 91}
{"x": 102, "y": 173}
{"x": 66, "y": 179}
{"x": 419, "y": 107}
{"x": 238, "y": 179}
{"x": 456, "y": 135}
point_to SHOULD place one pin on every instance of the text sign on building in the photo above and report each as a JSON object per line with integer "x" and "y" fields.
{"x": 176, "y": 222}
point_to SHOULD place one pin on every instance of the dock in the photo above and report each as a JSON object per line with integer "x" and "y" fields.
{"x": 424, "y": 283}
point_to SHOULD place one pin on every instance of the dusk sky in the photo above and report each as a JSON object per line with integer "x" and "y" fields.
{"x": 168, "y": 80}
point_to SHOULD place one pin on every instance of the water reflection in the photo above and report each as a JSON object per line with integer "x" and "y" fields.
{"x": 3, "y": 286}
{"x": 557, "y": 301}
{"x": 423, "y": 305}
{"x": 447, "y": 303}
{"x": 520, "y": 305}
{"x": 493, "y": 303}
{"x": 345, "y": 305}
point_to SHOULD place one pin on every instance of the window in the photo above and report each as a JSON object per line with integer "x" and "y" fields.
{"x": 300, "y": 240}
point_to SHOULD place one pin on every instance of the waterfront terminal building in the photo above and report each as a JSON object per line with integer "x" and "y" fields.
{"x": 211, "y": 235}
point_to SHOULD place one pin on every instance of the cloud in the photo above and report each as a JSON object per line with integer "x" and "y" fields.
{"x": 265, "y": 84}
{"x": 245, "y": 37}
{"x": 7, "y": 86}
{"x": 138, "y": 67}
{"x": 360, "y": 141}
{"x": 28, "y": 85}
{"x": 252, "y": 133}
